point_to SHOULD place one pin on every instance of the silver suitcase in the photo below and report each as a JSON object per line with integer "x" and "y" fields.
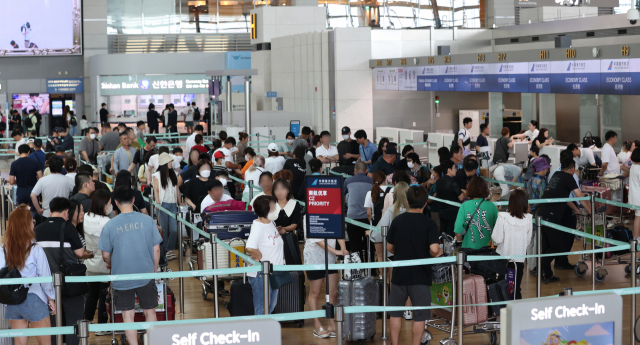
{"x": 4, "y": 324}
{"x": 358, "y": 292}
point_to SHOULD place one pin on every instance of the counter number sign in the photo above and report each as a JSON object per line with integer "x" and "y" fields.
{"x": 324, "y": 207}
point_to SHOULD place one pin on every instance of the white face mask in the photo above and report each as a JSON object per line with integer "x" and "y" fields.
{"x": 272, "y": 216}
{"x": 109, "y": 210}
{"x": 205, "y": 173}
{"x": 345, "y": 136}
{"x": 92, "y": 136}
{"x": 223, "y": 181}
{"x": 410, "y": 165}
{"x": 290, "y": 141}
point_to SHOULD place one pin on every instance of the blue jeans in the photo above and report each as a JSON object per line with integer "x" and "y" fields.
{"x": 169, "y": 226}
{"x": 73, "y": 130}
{"x": 258, "y": 298}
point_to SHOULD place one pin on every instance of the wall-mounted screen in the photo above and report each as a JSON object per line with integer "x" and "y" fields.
{"x": 56, "y": 108}
{"x": 41, "y": 27}
{"x": 28, "y": 101}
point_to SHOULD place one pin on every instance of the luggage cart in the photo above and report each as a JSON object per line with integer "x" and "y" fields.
{"x": 580, "y": 268}
{"x": 444, "y": 318}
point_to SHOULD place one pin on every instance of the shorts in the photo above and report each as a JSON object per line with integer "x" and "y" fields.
{"x": 316, "y": 275}
{"x": 33, "y": 309}
{"x": 188, "y": 123}
{"x": 147, "y": 297}
{"x": 420, "y": 297}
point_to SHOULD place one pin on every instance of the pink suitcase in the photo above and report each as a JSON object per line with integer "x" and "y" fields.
{"x": 474, "y": 292}
{"x": 603, "y": 193}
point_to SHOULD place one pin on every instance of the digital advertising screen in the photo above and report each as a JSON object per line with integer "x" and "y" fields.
{"x": 41, "y": 27}
{"x": 587, "y": 334}
{"x": 56, "y": 108}
{"x": 28, "y": 101}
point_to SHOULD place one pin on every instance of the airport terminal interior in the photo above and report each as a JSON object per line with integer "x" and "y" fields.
{"x": 404, "y": 171}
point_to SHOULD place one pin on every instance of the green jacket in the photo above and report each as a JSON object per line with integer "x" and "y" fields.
{"x": 483, "y": 219}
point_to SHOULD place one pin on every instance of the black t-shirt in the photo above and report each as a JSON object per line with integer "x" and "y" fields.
{"x": 383, "y": 166}
{"x": 412, "y": 234}
{"x": 462, "y": 179}
{"x": 104, "y": 115}
{"x": 447, "y": 189}
{"x": 25, "y": 170}
{"x": 298, "y": 174}
{"x": 48, "y": 237}
{"x": 347, "y": 147}
{"x": 374, "y": 157}
{"x": 481, "y": 141}
{"x": 296, "y": 217}
{"x": 559, "y": 186}
{"x": 190, "y": 173}
{"x": 138, "y": 158}
{"x": 194, "y": 190}
{"x": 402, "y": 164}
{"x": 138, "y": 202}
{"x": 17, "y": 118}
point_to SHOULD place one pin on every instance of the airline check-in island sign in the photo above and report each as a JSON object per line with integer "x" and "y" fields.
{"x": 251, "y": 331}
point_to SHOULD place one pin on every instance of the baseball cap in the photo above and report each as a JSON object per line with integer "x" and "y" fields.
{"x": 273, "y": 147}
{"x": 391, "y": 150}
{"x": 218, "y": 155}
{"x": 346, "y": 130}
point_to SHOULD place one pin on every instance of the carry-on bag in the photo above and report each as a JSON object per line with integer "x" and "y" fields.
{"x": 229, "y": 224}
{"x": 498, "y": 292}
{"x": 291, "y": 249}
{"x": 224, "y": 258}
{"x": 474, "y": 292}
{"x": 291, "y": 297}
{"x": 358, "y": 292}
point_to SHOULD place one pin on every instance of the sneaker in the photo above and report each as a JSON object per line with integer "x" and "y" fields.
{"x": 171, "y": 256}
{"x": 321, "y": 333}
{"x": 551, "y": 279}
{"x": 408, "y": 315}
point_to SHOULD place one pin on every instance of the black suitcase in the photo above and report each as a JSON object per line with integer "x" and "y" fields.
{"x": 291, "y": 297}
{"x": 241, "y": 300}
{"x": 498, "y": 292}
{"x": 380, "y": 286}
{"x": 291, "y": 249}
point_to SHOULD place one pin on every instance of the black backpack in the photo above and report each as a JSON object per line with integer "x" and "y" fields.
{"x": 378, "y": 206}
{"x": 28, "y": 122}
{"x": 196, "y": 114}
{"x": 73, "y": 121}
{"x": 12, "y": 294}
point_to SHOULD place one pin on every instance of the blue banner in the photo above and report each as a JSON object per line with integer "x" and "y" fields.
{"x": 463, "y": 73}
{"x": 634, "y": 73}
{"x": 428, "y": 78}
{"x": 539, "y": 77}
{"x": 561, "y": 76}
{"x": 615, "y": 78}
{"x": 448, "y": 77}
{"x": 586, "y": 76}
{"x": 510, "y": 77}
{"x": 238, "y": 60}
{"x": 479, "y": 78}
{"x": 65, "y": 85}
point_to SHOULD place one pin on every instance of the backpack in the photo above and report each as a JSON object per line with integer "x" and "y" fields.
{"x": 196, "y": 114}
{"x": 378, "y": 206}
{"x": 73, "y": 121}
{"x": 28, "y": 121}
{"x": 12, "y": 294}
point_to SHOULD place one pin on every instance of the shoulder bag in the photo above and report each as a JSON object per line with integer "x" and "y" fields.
{"x": 71, "y": 270}
{"x": 278, "y": 279}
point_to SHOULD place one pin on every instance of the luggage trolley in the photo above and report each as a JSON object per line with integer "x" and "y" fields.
{"x": 443, "y": 319}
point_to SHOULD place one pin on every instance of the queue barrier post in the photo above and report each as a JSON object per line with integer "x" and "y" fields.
{"x": 567, "y": 291}
{"x": 57, "y": 286}
{"x": 539, "y": 258}
{"x": 181, "y": 266}
{"x": 634, "y": 254}
{"x": 3, "y": 225}
{"x": 593, "y": 241}
{"x": 250, "y": 190}
{"x": 461, "y": 257}
{"x": 265, "y": 286}
{"x": 340, "y": 320}
{"x": 82, "y": 331}
{"x": 214, "y": 261}
{"x": 384, "y": 281}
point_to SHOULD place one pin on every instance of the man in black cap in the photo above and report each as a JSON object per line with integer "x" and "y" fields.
{"x": 387, "y": 163}
{"x": 348, "y": 152}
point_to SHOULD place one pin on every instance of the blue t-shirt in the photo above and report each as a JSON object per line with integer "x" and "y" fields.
{"x": 26, "y": 172}
{"x": 130, "y": 238}
{"x": 366, "y": 153}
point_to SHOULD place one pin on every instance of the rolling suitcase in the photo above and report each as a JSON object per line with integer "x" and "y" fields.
{"x": 358, "y": 292}
{"x": 498, "y": 292}
{"x": 4, "y": 324}
{"x": 229, "y": 224}
{"x": 291, "y": 249}
{"x": 474, "y": 292}
{"x": 291, "y": 297}
{"x": 223, "y": 257}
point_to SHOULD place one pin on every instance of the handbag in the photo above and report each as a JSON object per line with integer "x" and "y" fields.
{"x": 71, "y": 270}
{"x": 589, "y": 140}
{"x": 353, "y": 258}
{"x": 279, "y": 279}
{"x": 491, "y": 270}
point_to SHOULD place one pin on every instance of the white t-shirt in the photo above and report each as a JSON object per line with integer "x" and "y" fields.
{"x": 623, "y": 157}
{"x": 314, "y": 255}
{"x": 228, "y": 157}
{"x": 208, "y": 201}
{"x": 368, "y": 202}
{"x": 532, "y": 135}
{"x": 274, "y": 164}
{"x": 72, "y": 176}
{"x": 52, "y": 186}
{"x": 326, "y": 153}
{"x": 191, "y": 142}
{"x": 254, "y": 177}
{"x": 266, "y": 239}
{"x": 586, "y": 157}
{"x": 168, "y": 194}
{"x": 609, "y": 156}
{"x": 18, "y": 143}
{"x": 464, "y": 135}
{"x": 189, "y": 114}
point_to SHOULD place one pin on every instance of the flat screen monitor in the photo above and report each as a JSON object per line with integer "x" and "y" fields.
{"x": 41, "y": 27}
{"x": 56, "y": 108}
{"x": 587, "y": 334}
{"x": 28, "y": 101}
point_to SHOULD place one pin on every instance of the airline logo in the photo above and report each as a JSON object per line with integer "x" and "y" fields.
{"x": 610, "y": 66}
{"x": 446, "y": 70}
{"x": 569, "y": 67}
{"x": 617, "y": 66}
{"x": 478, "y": 69}
{"x": 533, "y": 67}
{"x": 472, "y": 69}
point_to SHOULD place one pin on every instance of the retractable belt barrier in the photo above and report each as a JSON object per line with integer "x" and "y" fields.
{"x": 617, "y": 246}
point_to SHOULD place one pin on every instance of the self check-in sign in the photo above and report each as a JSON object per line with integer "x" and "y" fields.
{"x": 254, "y": 332}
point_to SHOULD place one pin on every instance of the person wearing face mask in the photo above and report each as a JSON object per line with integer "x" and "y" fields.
{"x": 167, "y": 194}
{"x": 253, "y": 174}
{"x": 348, "y": 152}
{"x": 196, "y": 188}
{"x": 286, "y": 149}
{"x": 215, "y": 194}
{"x": 264, "y": 244}
{"x": 415, "y": 169}
{"x": 89, "y": 147}
{"x": 223, "y": 177}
